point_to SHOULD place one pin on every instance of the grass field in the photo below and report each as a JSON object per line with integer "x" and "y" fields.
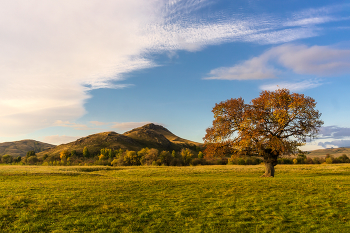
{"x": 301, "y": 198}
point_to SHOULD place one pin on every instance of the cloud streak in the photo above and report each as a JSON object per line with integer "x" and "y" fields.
{"x": 322, "y": 61}
{"x": 59, "y": 139}
{"x": 297, "y": 86}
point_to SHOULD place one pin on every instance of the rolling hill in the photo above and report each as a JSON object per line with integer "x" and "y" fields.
{"x": 336, "y": 152}
{"x": 150, "y": 135}
{"x": 20, "y": 148}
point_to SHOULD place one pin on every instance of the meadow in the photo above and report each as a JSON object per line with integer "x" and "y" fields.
{"x": 220, "y": 198}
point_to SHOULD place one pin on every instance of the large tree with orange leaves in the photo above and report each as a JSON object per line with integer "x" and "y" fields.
{"x": 274, "y": 124}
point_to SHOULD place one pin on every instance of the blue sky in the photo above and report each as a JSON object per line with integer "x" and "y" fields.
{"x": 70, "y": 69}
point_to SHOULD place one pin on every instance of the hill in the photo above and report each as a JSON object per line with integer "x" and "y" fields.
{"x": 336, "y": 152}
{"x": 20, "y": 148}
{"x": 150, "y": 135}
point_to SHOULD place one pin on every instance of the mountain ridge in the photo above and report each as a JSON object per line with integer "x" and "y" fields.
{"x": 149, "y": 135}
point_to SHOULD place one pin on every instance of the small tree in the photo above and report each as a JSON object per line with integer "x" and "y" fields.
{"x": 186, "y": 155}
{"x": 73, "y": 153}
{"x": 131, "y": 158}
{"x": 30, "y": 153}
{"x": 86, "y": 152}
{"x": 7, "y": 159}
{"x": 275, "y": 123}
{"x": 200, "y": 154}
{"x": 173, "y": 154}
{"x": 165, "y": 157}
{"x": 148, "y": 156}
{"x": 64, "y": 154}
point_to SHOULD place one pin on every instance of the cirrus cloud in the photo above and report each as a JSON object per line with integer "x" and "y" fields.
{"x": 54, "y": 52}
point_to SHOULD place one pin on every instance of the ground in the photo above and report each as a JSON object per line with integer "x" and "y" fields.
{"x": 301, "y": 198}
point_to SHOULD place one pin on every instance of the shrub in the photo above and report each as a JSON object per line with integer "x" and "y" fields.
{"x": 131, "y": 158}
{"x": 344, "y": 158}
{"x": 200, "y": 155}
{"x": 241, "y": 161}
{"x": 165, "y": 158}
{"x": 148, "y": 156}
{"x": 115, "y": 162}
{"x": 285, "y": 161}
{"x": 64, "y": 154}
{"x": 232, "y": 161}
{"x": 198, "y": 161}
{"x": 86, "y": 152}
{"x": 7, "y": 159}
{"x": 329, "y": 160}
{"x": 32, "y": 160}
{"x": 30, "y": 153}
{"x": 309, "y": 160}
{"x": 186, "y": 155}
{"x": 176, "y": 162}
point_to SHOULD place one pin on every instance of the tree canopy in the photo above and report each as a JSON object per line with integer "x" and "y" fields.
{"x": 273, "y": 124}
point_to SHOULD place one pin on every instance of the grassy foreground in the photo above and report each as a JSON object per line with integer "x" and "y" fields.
{"x": 301, "y": 198}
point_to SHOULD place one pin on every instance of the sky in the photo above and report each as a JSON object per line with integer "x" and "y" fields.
{"x": 69, "y": 69}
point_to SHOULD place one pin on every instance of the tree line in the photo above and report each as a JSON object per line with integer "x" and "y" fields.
{"x": 154, "y": 157}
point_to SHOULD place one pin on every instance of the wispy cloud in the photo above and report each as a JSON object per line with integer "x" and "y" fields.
{"x": 98, "y": 123}
{"x": 54, "y": 52}
{"x": 297, "y": 86}
{"x": 71, "y": 125}
{"x": 59, "y": 139}
{"x": 321, "y": 61}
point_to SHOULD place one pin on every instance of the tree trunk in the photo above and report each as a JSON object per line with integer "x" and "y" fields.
{"x": 269, "y": 170}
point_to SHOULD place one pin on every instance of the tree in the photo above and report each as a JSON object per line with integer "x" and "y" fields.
{"x": 7, "y": 159}
{"x": 64, "y": 154}
{"x": 30, "y": 153}
{"x": 86, "y": 152}
{"x": 200, "y": 154}
{"x": 273, "y": 124}
{"x": 186, "y": 155}
{"x": 73, "y": 153}
{"x": 131, "y": 158}
{"x": 165, "y": 157}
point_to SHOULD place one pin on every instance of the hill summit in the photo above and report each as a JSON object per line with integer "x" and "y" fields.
{"x": 149, "y": 135}
{"x": 20, "y": 148}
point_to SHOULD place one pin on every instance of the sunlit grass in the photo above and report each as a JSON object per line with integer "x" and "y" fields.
{"x": 301, "y": 198}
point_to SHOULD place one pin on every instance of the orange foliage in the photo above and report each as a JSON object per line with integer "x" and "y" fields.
{"x": 275, "y": 123}
{"x": 217, "y": 150}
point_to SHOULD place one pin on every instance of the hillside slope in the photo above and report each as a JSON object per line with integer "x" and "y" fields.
{"x": 20, "y": 148}
{"x": 336, "y": 152}
{"x": 150, "y": 135}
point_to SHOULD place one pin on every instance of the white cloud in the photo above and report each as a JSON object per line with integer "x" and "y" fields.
{"x": 335, "y": 132}
{"x": 98, "y": 123}
{"x": 54, "y": 52}
{"x": 71, "y": 125}
{"x": 298, "y": 86}
{"x": 316, "y": 60}
{"x": 331, "y": 136}
{"x": 335, "y": 144}
{"x": 256, "y": 68}
{"x": 57, "y": 139}
{"x": 311, "y": 20}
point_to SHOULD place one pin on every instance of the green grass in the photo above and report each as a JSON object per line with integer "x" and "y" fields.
{"x": 301, "y": 198}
